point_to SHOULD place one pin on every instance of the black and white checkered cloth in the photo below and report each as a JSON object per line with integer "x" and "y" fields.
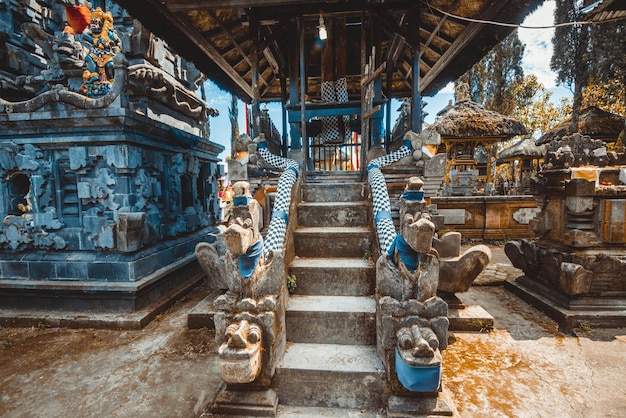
{"x": 275, "y": 237}
{"x": 385, "y": 229}
{"x": 335, "y": 91}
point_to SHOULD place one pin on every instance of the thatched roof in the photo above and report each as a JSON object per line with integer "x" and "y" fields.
{"x": 605, "y": 11}
{"x": 223, "y": 38}
{"x": 593, "y": 121}
{"x": 468, "y": 119}
{"x": 526, "y": 147}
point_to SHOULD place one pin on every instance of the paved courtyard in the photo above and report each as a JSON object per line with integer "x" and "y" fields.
{"x": 523, "y": 367}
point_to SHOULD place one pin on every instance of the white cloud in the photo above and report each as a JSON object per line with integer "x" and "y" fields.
{"x": 215, "y": 97}
{"x": 538, "y": 44}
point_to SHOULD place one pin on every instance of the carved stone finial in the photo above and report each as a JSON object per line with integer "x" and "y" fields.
{"x": 415, "y": 183}
{"x": 462, "y": 93}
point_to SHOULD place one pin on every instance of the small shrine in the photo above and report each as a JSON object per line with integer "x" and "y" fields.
{"x": 574, "y": 269}
{"x": 524, "y": 159}
{"x": 468, "y": 134}
{"x": 593, "y": 122}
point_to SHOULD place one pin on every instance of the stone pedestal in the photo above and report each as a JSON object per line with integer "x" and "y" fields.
{"x": 261, "y": 403}
{"x": 576, "y": 269}
{"x": 402, "y": 406}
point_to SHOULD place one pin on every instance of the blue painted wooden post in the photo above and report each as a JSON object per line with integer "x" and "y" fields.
{"x": 294, "y": 129}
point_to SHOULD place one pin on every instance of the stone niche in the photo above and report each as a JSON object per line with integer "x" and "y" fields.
{"x": 575, "y": 269}
{"x": 103, "y": 194}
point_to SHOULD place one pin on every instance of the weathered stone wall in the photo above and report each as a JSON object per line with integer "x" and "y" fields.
{"x": 488, "y": 217}
{"x": 94, "y": 184}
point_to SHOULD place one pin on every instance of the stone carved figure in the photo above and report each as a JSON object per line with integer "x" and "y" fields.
{"x": 30, "y": 228}
{"x": 254, "y": 291}
{"x": 250, "y": 314}
{"x": 242, "y": 339}
{"x": 406, "y": 287}
{"x": 104, "y": 43}
{"x": 412, "y": 323}
{"x": 412, "y": 319}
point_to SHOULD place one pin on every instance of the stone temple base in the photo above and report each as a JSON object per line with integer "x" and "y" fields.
{"x": 261, "y": 403}
{"x": 572, "y": 315}
{"x": 401, "y": 406}
{"x": 106, "y": 290}
{"x": 466, "y": 317}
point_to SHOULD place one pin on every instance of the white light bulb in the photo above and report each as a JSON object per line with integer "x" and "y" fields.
{"x": 322, "y": 29}
{"x": 323, "y": 33}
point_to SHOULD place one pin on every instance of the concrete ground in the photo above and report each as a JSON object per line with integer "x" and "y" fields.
{"x": 523, "y": 367}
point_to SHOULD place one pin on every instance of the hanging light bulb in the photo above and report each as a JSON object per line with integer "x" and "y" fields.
{"x": 322, "y": 29}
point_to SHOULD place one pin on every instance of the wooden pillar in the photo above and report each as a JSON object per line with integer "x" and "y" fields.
{"x": 303, "y": 92}
{"x": 284, "y": 98}
{"x": 294, "y": 128}
{"x": 377, "y": 123}
{"x": 388, "y": 106}
{"x": 339, "y": 40}
{"x": 254, "y": 57}
{"x": 364, "y": 126}
{"x": 416, "y": 102}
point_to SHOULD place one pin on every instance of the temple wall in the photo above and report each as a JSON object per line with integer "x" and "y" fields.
{"x": 488, "y": 217}
{"x": 106, "y": 191}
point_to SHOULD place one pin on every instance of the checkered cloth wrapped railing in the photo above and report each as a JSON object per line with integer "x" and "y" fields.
{"x": 385, "y": 229}
{"x": 277, "y": 228}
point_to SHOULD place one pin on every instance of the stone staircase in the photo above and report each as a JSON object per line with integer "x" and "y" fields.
{"x": 331, "y": 359}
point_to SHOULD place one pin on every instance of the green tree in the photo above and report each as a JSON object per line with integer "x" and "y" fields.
{"x": 490, "y": 80}
{"x": 570, "y": 57}
{"x": 233, "y": 115}
{"x": 607, "y": 61}
{"x": 534, "y": 108}
{"x": 607, "y": 95}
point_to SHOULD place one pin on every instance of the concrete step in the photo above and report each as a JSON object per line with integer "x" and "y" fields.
{"x": 291, "y": 411}
{"x": 334, "y": 214}
{"x": 335, "y": 192}
{"x": 333, "y": 276}
{"x": 331, "y": 376}
{"x": 331, "y": 319}
{"x": 333, "y": 241}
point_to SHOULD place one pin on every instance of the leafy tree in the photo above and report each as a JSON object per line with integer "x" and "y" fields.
{"x": 607, "y": 63}
{"x": 490, "y": 80}
{"x": 570, "y": 47}
{"x": 233, "y": 115}
{"x": 533, "y": 105}
{"x": 589, "y": 59}
{"x": 607, "y": 95}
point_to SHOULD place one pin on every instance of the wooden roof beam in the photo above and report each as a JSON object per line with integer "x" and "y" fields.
{"x": 217, "y": 30}
{"x": 271, "y": 78}
{"x": 471, "y": 30}
{"x": 184, "y": 5}
{"x": 440, "y": 37}
{"x": 435, "y": 31}
{"x": 208, "y": 49}
{"x": 230, "y": 37}
{"x": 261, "y": 78}
{"x": 274, "y": 49}
{"x": 394, "y": 27}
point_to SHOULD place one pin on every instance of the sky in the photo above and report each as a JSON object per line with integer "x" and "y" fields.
{"x": 536, "y": 60}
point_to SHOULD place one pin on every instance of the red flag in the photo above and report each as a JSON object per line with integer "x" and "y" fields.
{"x": 78, "y": 17}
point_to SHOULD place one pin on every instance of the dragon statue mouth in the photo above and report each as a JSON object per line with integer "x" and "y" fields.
{"x": 240, "y": 354}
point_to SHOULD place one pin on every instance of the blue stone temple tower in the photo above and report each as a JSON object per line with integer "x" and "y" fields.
{"x": 107, "y": 178}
